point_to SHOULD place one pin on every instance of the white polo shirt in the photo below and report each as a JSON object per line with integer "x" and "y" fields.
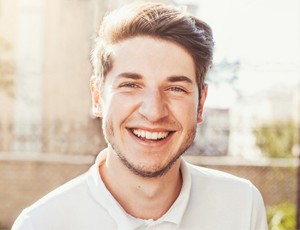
{"x": 209, "y": 200}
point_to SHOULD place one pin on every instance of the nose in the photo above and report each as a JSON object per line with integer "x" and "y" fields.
{"x": 153, "y": 106}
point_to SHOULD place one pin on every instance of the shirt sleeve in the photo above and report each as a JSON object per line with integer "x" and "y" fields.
{"x": 23, "y": 222}
{"x": 258, "y": 217}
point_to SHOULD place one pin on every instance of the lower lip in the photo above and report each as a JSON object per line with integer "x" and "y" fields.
{"x": 146, "y": 142}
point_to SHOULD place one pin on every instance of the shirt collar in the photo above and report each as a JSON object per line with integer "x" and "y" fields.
{"x": 126, "y": 221}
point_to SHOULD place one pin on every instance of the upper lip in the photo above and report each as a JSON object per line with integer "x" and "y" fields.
{"x": 152, "y": 129}
{"x": 156, "y": 129}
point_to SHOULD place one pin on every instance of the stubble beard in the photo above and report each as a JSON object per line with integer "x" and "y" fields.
{"x": 140, "y": 170}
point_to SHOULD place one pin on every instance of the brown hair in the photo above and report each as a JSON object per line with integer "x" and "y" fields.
{"x": 157, "y": 20}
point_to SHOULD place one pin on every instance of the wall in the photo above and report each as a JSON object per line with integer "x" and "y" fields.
{"x": 275, "y": 178}
{"x": 24, "y": 181}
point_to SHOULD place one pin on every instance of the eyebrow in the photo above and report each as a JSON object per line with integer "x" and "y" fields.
{"x": 179, "y": 78}
{"x": 136, "y": 76}
{"x": 129, "y": 75}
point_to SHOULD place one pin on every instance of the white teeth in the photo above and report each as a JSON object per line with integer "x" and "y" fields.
{"x": 154, "y": 136}
{"x": 150, "y": 135}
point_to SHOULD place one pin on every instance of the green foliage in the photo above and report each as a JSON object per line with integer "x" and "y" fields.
{"x": 282, "y": 217}
{"x": 276, "y": 139}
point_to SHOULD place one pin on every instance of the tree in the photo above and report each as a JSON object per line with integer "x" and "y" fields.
{"x": 276, "y": 139}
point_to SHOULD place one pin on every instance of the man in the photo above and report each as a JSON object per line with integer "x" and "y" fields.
{"x": 150, "y": 62}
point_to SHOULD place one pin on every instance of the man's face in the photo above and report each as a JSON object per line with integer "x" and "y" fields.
{"x": 150, "y": 104}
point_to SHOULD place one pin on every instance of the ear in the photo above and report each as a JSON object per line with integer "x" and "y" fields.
{"x": 96, "y": 100}
{"x": 201, "y": 103}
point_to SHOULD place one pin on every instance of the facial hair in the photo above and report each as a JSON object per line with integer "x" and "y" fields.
{"x": 108, "y": 131}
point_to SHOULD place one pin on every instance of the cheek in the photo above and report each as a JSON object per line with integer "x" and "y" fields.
{"x": 186, "y": 111}
{"x": 108, "y": 127}
{"x": 118, "y": 107}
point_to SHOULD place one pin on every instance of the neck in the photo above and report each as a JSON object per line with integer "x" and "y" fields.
{"x": 144, "y": 198}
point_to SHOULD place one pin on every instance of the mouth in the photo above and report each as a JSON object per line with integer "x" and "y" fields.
{"x": 150, "y": 136}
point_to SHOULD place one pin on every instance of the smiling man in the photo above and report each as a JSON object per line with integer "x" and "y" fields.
{"x": 150, "y": 62}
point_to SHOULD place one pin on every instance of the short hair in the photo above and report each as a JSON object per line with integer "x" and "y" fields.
{"x": 157, "y": 20}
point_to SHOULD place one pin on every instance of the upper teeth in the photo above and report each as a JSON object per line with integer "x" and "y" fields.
{"x": 150, "y": 135}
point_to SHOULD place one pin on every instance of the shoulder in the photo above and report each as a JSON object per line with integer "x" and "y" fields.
{"x": 63, "y": 193}
{"x": 199, "y": 173}
{"x": 78, "y": 202}
{"x": 236, "y": 201}
{"x": 222, "y": 183}
{"x": 56, "y": 202}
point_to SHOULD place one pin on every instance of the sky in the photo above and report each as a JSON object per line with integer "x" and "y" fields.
{"x": 263, "y": 35}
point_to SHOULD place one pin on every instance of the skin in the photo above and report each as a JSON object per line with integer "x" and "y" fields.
{"x": 149, "y": 108}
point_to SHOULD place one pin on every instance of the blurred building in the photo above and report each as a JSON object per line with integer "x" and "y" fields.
{"x": 49, "y": 109}
{"x": 212, "y": 137}
{"x": 250, "y": 112}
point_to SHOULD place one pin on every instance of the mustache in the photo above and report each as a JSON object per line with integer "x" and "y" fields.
{"x": 164, "y": 122}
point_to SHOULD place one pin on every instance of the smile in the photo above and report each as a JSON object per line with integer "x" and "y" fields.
{"x": 149, "y": 135}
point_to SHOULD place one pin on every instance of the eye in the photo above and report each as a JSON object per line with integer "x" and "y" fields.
{"x": 177, "y": 89}
{"x": 129, "y": 85}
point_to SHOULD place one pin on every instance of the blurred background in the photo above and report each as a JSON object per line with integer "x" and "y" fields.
{"x": 251, "y": 121}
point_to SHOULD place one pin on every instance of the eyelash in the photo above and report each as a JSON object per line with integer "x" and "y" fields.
{"x": 174, "y": 89}
{"x": 177, "y": 89}
{"x": 129, "y": 85}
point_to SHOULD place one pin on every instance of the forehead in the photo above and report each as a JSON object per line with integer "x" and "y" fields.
{"x": 150, "y": 56}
